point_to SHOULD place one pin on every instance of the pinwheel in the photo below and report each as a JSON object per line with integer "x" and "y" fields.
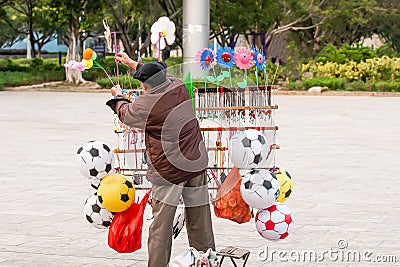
{"x": 162, "y": 33}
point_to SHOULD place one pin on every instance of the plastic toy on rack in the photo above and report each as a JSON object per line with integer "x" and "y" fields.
{"x": 224, "y": 104}
{"x": 130, "y": 151}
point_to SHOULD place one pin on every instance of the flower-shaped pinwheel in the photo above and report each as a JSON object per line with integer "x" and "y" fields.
{"x": 225, "y": 57}
{"x": 162, "y": 31}
{"x": 206, "y": 58}
{"x": 244, "y": 58}
{"x": 88, "y": 61}
{"x": 260, "y": 60}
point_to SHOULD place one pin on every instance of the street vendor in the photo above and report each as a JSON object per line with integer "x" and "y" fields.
{"x": 177, "y": 157}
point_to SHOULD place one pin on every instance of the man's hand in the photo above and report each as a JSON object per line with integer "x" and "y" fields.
{"x": 123, "y": 58}
{"x": 116, "y": 90}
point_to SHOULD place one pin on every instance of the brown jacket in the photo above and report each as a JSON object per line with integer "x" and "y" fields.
{"x": 174, "y": 144}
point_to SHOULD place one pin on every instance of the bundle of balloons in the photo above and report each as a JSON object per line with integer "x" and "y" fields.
{"x": 262, "y": 188}
{"x": 113, "y": 192}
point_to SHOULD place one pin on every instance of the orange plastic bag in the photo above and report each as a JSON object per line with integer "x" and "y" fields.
{"x": 229, "y": 203}
{"x": 125, "y": 232}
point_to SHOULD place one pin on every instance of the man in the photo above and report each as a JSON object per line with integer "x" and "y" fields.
{"x": 177, "y": 158}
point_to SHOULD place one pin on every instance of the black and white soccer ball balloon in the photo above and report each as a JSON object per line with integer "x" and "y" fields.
{"x": 249, "y": 149}
{"x": 260, "y": 188}
{"x": 95, "y": 160}
{"x": 95, "y": 214}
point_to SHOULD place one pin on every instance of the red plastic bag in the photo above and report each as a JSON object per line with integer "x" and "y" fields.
{"x": 125, "y": 232}
{"x": 229, "y": 203}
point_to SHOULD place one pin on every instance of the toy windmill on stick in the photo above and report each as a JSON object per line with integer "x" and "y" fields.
{"x": 162, "y": 33}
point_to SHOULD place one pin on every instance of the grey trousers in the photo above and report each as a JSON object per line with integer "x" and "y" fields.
{"x": 165, "y": 199}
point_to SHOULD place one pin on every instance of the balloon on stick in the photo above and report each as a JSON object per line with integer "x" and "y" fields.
{"x": 162, "y": 33}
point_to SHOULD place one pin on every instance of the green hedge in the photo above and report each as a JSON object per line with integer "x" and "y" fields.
{"x": 125, "y": 81}
{"x": 341, "y": 84}
{"x": 381, "y": 86}
{"x": 345, "y": 53}
{"x": 331, "y": 83}
{"x": 109, "y": 65}
{"x": 17, "y": 78}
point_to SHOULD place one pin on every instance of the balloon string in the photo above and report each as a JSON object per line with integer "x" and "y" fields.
{"x": 135, "y": 138}
{"x": 116, "y": 49}
{"x": 101, "y": 67}
{"x": 159, "y": 47}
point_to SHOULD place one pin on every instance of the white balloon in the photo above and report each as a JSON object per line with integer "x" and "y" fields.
{"x": 249, "y": 150}
{"x": 259, "y": 189}
{"x": 95, "y": 160}
{"x": 95, "y": 214}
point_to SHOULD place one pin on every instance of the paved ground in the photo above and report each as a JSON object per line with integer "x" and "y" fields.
{"x": 343, "y": 153}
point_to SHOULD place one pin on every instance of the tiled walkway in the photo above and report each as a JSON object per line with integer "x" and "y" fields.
{"x": 343, "y": 154}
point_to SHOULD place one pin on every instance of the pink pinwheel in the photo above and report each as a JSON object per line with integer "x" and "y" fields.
{"x": 244, "y": 58}
{"x": 71, "y": 65}
{"x": 80, "y": 66}
{"x": 74, "y": 65}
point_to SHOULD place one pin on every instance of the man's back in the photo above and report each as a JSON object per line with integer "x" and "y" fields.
{"x": 174, "y": 142}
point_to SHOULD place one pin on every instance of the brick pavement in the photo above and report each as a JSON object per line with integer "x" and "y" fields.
{"x": 343, "y": 154}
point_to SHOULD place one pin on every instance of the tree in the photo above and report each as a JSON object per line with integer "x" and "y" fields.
{"x": 78, "y": 17}
{"x": 7, "y": 25}
{"x": 349, "y": 22}
{"x": 387, "y": 22}
{"x": 311, "y": 24}
{"x": 230, "y": 18}
{"x": 133, "y": 20}
{"x": 24, "y": 19}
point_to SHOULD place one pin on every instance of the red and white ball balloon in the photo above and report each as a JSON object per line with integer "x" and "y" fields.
{"x": 275, "y": 222}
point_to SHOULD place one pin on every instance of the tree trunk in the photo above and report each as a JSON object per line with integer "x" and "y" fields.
{"x": 31, "y": 36}
{"x": 73, "y": 76}
{"x": 39, "y": 52}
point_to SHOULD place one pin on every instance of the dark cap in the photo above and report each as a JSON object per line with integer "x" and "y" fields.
{"x": 152, "y": 73}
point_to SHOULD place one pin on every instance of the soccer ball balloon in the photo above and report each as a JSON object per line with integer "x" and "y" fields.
{"x": 259, "y": 188}
{"x": 286, "y": 183}
{"x": 94, "y": 160}
{"x": 116, "y": 192}
{"x": 275, "y": 222}
{"x": 96, "y": 215}
{"x": 249, "y": 149}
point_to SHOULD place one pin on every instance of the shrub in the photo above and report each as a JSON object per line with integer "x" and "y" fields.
{"x": 16, "y": 78}
{"x": 376, "y": 69}
{"x": 346, "y": 53}
{"x": 36, "y": 63}
{"x": 125, "y": 81}
{"x": 331, "y": 83}
{"x": 359, "y": 86}
{"x": 109, "y": 65}
{"x": 385, "y": 86}
{"x": 9, "y": 65}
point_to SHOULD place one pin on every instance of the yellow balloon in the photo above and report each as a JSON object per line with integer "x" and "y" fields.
{"x": 116, "y": 192}
{"x": 286, "y": 184}
{"x": 88, "y": 63}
